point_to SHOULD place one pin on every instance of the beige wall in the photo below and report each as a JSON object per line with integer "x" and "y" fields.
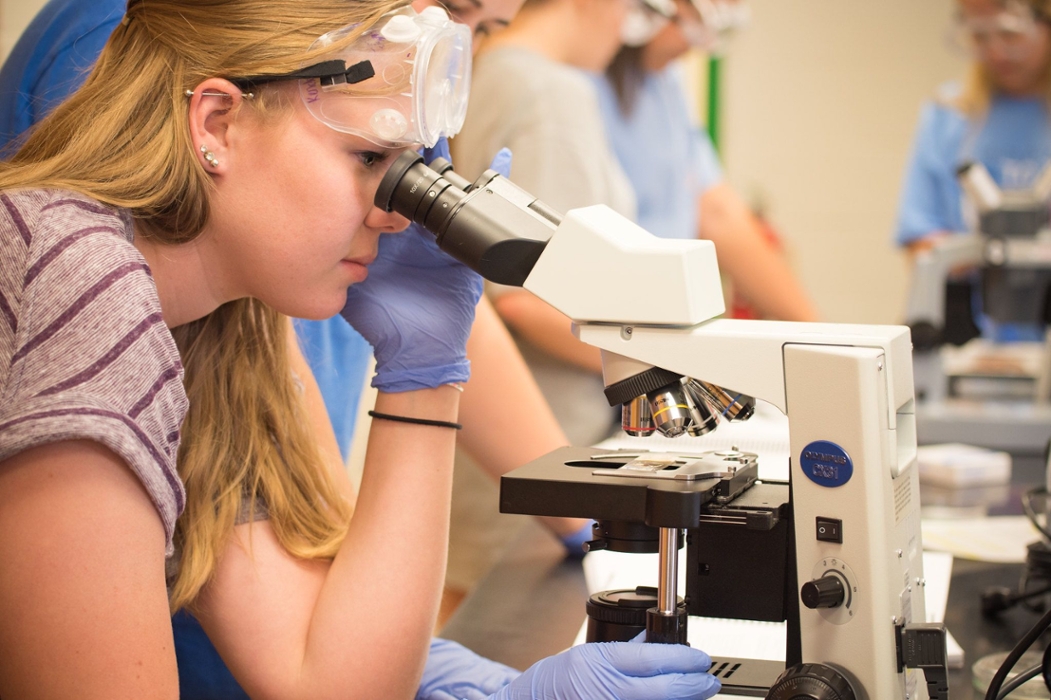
{"x": 14, "y": 16}
{"x": 820, "y": 103}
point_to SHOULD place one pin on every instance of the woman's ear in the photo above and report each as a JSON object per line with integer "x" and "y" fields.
{"x": 213, "y": 106}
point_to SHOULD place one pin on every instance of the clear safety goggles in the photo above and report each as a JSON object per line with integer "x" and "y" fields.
{"x": 1011, "y": 31}
{"x": 403, "y": 82}
{"x": 644, "y": 21}
{"x": 714, "y": 23}
{"x": 720, "y": 19}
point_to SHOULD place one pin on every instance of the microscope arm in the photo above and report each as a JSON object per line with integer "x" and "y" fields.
{"x": 747, "y": 355}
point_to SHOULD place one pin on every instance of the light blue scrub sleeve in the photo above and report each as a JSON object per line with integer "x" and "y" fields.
{"x": 930, "y": 199}
{"x": 709, "y": 171}
{"x": 50, "y": 61}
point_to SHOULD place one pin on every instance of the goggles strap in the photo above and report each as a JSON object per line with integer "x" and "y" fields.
{"x": 333, "y": 72}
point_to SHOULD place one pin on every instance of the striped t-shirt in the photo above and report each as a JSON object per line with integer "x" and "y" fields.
{"x": 84, "y": 351}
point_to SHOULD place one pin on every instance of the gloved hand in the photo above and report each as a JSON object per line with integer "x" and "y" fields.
{"x": 617, "y": 671}
{"x": 416, "y": 309}
{"x": 501, "y": 161}
{"x": 574, "y": 542}
{"x": 454, "y": 672}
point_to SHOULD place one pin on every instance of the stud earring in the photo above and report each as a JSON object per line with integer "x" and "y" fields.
{"x": 209, "y": 156}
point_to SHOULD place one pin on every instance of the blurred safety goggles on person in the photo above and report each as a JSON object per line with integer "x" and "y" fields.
{"x": 1010, "y": 33}
{"x": 644, "y": 21}
{"x": 402, "y": 82}
{"x": 706, "y": 24}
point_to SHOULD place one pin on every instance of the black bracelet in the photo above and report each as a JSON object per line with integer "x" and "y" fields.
{"x": 416, "y": 421}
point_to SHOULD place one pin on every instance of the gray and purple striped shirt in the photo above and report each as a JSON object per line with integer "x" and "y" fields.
{"x": 84, "y": 351}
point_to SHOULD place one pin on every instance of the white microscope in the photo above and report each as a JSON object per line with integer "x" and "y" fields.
{"x": 846, "y": 526}
{"x": 971, "y": 389}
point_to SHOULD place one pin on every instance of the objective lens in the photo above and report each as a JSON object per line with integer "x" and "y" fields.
{"x": 671, "y": 413}
{"x": 731, "y": 405}
{"x": 701, "y": 419}
{"x": 635, "y": 417}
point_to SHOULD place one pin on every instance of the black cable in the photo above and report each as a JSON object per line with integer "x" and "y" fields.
{"x": 1037, "y": 570}
{"x": 993, "y": 693}
{"x": 1020, "y": 680}
{"x": 999, "y": 598}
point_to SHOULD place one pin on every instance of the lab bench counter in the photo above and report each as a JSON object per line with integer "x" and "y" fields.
{"x": 531, "y": 605}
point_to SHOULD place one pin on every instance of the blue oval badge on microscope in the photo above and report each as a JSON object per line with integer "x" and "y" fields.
{"x": 826, "y": 463}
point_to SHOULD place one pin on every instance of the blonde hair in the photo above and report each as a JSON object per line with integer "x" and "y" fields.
{"x": 123, "y": 138}
{"x": 978, "y": 88}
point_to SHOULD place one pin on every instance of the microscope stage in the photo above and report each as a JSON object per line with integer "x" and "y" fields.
{"x": 657, "y": 489}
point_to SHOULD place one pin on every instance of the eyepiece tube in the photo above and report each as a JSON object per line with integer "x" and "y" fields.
{"x": 979, "y": 186}
{"x": 493, "y": 226}
{"x": 445, "y": 169}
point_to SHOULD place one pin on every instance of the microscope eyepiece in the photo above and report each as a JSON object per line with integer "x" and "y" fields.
{"x": 493, "y": 226}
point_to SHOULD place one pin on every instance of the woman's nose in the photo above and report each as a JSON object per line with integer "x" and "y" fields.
{"x": 386, "y": 222}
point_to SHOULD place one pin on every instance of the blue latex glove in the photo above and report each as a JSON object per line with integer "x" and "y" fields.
{"x": 416, "y": 309}
{"x": 616, "y": 671}
{"x": 454, "y": 672}
{"x": 501, "y": 161}
{"x": 574, "y": 542}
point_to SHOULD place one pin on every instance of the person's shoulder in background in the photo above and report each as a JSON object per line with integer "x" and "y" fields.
{"x": 930, "y": 195}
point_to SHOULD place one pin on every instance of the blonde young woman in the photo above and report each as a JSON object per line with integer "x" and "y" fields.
{"x": 159, "y": 225}
{"x": 998, "y": 116}
{"x": 51, "y": 59}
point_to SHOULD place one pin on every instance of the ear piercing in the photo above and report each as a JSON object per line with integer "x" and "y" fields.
{"x": 214, "y": 93}
{"x": 209, "y": 156}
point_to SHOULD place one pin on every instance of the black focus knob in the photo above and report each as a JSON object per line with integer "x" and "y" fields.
{"x": 811, "y": 682}
{"x": 825, "y": 592}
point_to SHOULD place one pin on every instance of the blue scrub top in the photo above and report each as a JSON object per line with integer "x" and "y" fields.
{"x": 51, "y": 59}
{"x": 1013, "y": 142}
{"x": 668, "y": 160}
{"x": 339, "y": 358}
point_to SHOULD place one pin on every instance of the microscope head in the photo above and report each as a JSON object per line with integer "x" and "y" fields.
{"x": 1015, "y": 246}
{"x": 1006, "y": 213}
{"x": 593, "y": 265}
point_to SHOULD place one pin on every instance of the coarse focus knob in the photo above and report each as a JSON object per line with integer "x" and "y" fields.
{"x": 825, "y": 592}
{"x": 811, "y": 682}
